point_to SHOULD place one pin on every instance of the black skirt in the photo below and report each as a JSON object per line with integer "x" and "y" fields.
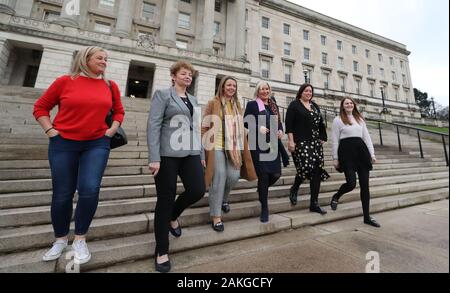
{"x": 353, "y": 155}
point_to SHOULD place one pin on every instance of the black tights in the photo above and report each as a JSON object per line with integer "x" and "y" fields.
{"x": 350, "y": 177}
{"x": 314, "y": 185}
{"x": 264, "y": 182}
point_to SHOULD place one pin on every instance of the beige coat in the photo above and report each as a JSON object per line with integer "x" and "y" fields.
{"x": 247, "y": 170}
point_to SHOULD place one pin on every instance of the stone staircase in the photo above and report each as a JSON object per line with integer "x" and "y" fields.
{"x": 122, "y": 230}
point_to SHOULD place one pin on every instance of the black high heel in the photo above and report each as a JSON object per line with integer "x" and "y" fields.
{"x": 293, "y": 195}
{"x": 176, "y": 232}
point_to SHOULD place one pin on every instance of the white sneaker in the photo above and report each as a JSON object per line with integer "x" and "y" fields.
{"x": 82, "y": 254}
{"x": 55, "y": 252}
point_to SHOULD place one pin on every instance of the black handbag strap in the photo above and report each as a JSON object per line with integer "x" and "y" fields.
{"x": 108, "y": 82}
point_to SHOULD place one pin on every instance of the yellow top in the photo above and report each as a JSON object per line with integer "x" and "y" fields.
{"x": 219, "y": 135}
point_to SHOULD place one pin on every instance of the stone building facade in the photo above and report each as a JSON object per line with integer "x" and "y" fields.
{"x": 274, "y": 40}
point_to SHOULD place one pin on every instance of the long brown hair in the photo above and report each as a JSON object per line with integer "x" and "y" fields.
{"x": 356, "y": 114}
{"x": 221, "y": 90}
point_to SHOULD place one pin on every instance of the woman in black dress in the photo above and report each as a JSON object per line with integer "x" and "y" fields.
{"x": 306, "y": 131}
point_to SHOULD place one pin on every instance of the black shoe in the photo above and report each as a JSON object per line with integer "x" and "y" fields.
{"x": 175, "y": 231}
{"x": 264, "y": 218}
{"x": 225, "y": 207}
{"x": 334, "y": 202}
{"x": 372, "y": 222}
{"x": 293, "y": 195}
{"x": 162, "y": 267}
{"x": 317, "y": 209}
{"x": 219, "y": 227}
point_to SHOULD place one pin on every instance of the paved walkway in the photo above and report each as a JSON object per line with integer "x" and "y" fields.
{"x": 414, "y": 239}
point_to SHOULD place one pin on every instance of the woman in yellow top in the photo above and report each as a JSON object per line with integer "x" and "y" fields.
{"x": 226, "y": 148}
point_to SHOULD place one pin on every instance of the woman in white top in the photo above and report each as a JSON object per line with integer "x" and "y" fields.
{"x": 353, "y": 153}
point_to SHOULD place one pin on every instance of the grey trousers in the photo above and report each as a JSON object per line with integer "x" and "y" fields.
{"x": 224, "y": 179}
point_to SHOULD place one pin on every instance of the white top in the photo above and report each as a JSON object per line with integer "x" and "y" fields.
{"x": 340, "y": 131}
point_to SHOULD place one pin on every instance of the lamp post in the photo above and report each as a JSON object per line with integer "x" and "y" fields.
{"x": 305, "y": 73}
{"x": 434, "y": 108}
{"x": 382, "y": 98}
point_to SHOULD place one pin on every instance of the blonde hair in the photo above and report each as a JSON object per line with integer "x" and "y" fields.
{"x": 80, "y": 63}
{"x": 259, "y": 85}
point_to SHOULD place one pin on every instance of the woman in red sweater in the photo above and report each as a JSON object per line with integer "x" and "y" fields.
{"x": 79, "y": 142}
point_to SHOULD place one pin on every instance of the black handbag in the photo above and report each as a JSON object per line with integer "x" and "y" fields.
{"x": 120, "y": 138}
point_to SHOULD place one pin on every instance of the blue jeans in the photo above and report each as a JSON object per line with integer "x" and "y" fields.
{"x": 76, "y": 165}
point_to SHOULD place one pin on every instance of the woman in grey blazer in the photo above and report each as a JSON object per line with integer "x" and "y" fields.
{"x": 175, "y": 149}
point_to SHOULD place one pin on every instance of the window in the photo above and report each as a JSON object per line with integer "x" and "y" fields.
{"x": 306, "y": 35}
{"x": 265, "y": 68}
{"x": 396, "y": 93}
{"x": 354, "y": 49}
{"x": 148, "y": 11}
{"x": 367, "y": 53}
{"x": 265, "y": 21}
{"x": 216, "y": 28}
{"x": 107, "y": 3}
{"x": 391, "y": 61}
{"x": 394, "y": 76}
{"x": 218, "y": 6}
{"x": 182, "y": 44}
{"x": 402, "y": 64}
{"x": 265, "y": 43}
{"x": 288, "y": 73}
{"x": 187, "y": 1}
{"x": 287, "y": 49}
{"x": 323, "y": 40}
{"x": 324, "y": 58}
{"x": 355, "y": 66}
{"x": 102, "y": 27}
{"x": 184, "y": 20}
{"x": 341, "y": 62}
{"x": 369, "y": 70}
{"x": 358, "y": 86}
{"x": 372, "y": 89}
{"x": 342, "y": 82}
{"x": 380, "y": 57}
{"x": 382, "y": 72}
{"x": 216, "y": 51}
{"x": 405, "y": 82}
{"x": 326, "y": 80}
{"x": 339, "y": 45}
{"x": 307, "y": 54}
{"x": 50, "y": 15}
{"x": 286, "y": 29}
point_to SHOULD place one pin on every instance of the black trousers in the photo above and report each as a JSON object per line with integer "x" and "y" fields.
{"x": 350, "y": 177}
{"x": 266, "y": 180}
{"x": 314, "y": 185}
{"x": 167, "y": 209}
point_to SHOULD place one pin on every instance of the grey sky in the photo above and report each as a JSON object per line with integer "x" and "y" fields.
{"x": 422, "y": 25}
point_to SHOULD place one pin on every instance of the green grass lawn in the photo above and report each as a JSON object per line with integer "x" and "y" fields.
{"x": 443, "y": 130}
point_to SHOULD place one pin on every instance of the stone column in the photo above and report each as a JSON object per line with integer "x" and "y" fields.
{"x": 5, "y": 52}
{"x": 24, "y": 8}
{"x": 230, "y": 49}
{"x": 207, "y": 37}
{"x": 117, "y": 71}
{"x": 125, "y": 18}
{"x": 8, "y": 6}
{"x": 70, "y": 14}
{"x": 161, "y": 78}
{"x": 240, "y": 29}
{"x": 55, "y": 62}
{"x": 205, "y": 86}
{"x": 169, "y": 23}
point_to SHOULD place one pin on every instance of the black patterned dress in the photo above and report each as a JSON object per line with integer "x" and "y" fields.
{"x": 308, "y": 155}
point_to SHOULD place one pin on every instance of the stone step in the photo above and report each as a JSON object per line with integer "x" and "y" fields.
{"x": 31, "y": 199}
{"x": 17, "y": 239}
{"x": 106, "y": 253}
{"x": 41, "y": 215}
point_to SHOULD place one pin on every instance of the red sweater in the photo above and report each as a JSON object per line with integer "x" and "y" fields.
{"x": 83, "y": 105}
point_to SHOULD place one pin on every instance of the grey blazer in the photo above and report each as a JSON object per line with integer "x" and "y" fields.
{"x": 171, "y": 130}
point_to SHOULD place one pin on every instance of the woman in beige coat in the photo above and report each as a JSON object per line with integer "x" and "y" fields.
{"x": 226, "y": 148}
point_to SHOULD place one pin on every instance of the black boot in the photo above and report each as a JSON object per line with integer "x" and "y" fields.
{"x": 293, "y": 195}
{"x": 264, "y": 218}
{"x": 315, "y": 208}
{"x": 334, "y": 202}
